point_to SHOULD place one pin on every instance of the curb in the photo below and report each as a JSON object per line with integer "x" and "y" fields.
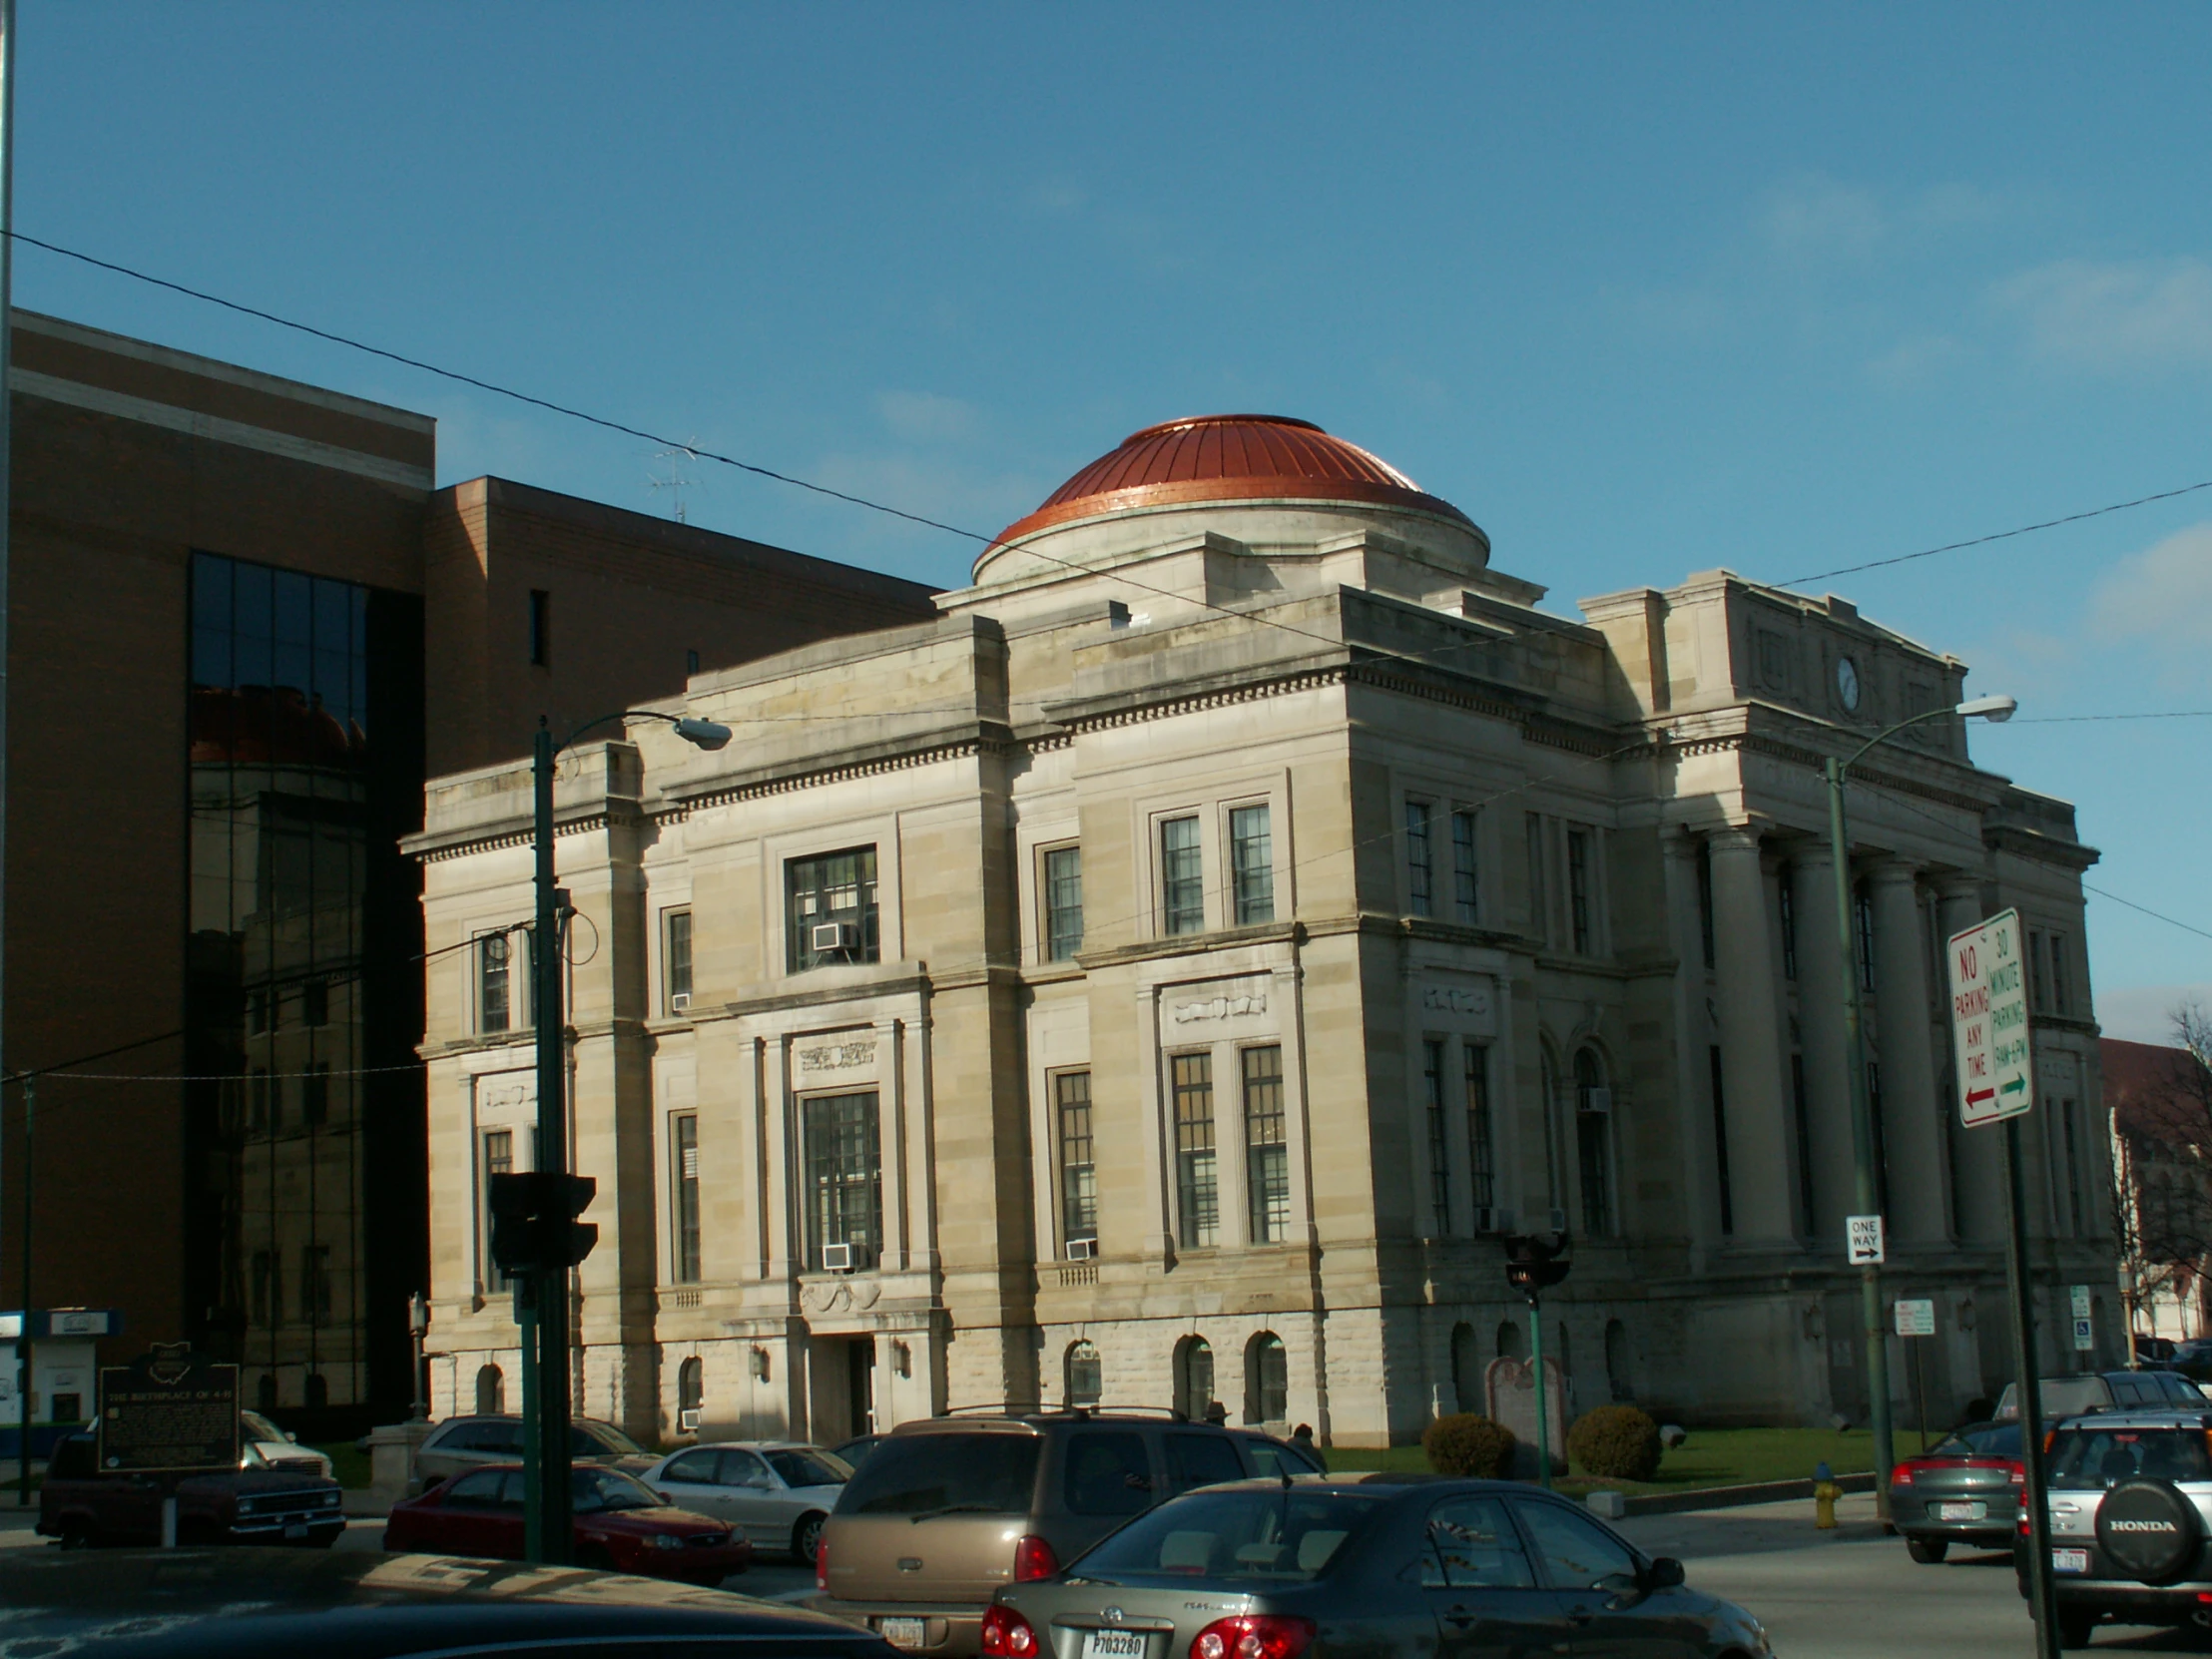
{"x": 1730, "y": 1497}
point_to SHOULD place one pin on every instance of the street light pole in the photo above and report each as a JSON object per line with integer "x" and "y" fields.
{"x": 1862, "y": 1107}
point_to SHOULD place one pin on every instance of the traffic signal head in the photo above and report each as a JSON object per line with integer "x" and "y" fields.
{"x": 565, "y": 1239}
{"x": 514, "y": 1210}
{"x": 1534, "y": 1261}
{"x": 533, "y": 1221}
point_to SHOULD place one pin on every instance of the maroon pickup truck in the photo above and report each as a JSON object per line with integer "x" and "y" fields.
{"x": 82, "y": 1506}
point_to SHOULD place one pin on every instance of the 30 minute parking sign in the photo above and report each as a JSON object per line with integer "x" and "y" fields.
{"x": 1988, "y": 1021}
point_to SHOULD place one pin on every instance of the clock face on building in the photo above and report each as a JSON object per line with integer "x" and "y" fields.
{"x": 1847, "y": 683}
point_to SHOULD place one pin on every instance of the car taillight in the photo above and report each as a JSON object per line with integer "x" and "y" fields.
{"x": 1902, "y": 1475}
{"x": 2017, "y": 1475}
{"x": 821, "y": 1563}
{"x": 1253, "y": 1636}
{"x": 1033, "y": 1559}
{"x": 1007, "y": 1632}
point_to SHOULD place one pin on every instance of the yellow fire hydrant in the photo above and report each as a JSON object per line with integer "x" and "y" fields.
{"x": 1825, "y": 1494}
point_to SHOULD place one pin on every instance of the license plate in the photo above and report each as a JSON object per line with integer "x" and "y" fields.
{"x": 2070, "y": 1560}
{"x": 1114, "y": 1644}
{"x": 297, "y": 1529}
{"x": 1959, "y": 1512}
{"x": 902, "y": 1632}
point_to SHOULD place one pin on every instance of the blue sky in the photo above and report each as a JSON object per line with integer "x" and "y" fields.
{"x": 1644, "y": 289}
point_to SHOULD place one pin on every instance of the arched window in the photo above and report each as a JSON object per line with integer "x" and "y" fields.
{"x": 1266, "y": 1380}
{"x": 266, "y": 1391}
{"x": 1508, "y": 1338}
{"x": 491, "y": 1392}
{"x": 1593, "y": 1137}
{"x": 690, "y": 1392}
{"x": 1619, "y": 1377}
{"x": 1466, "y": 1369}
{"x": 319, "y": 1391}
{"x": 1086, "y": 1382}
{"x": 1194, "y": 1377}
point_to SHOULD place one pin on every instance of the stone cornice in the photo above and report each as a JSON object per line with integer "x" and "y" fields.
{"x": 432, "y": 846}
{"x": 2044, "y": 849}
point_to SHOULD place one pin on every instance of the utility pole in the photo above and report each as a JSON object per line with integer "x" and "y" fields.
{"x": 555, "y": 1542}
{"x": 7, "y": 446}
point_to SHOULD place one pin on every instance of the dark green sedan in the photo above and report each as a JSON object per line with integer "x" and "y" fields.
{"x": 1453, "y": 1569}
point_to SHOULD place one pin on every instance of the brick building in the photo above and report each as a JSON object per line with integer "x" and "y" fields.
{"x": 247, "y": 595}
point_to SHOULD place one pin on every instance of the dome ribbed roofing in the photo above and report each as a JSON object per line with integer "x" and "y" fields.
{"x": 1236, "y": 457}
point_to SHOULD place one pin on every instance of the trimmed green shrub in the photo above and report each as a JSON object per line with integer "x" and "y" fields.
{"x": 1615, "y": 1443}
{"x": 1469, "y": 1445}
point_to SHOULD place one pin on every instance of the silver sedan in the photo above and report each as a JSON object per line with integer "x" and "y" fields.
{"x": 776, "y": 1492}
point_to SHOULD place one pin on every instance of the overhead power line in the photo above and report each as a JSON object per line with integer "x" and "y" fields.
{"x": 2155, "y": 915}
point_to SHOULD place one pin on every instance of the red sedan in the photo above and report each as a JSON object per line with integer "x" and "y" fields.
{"x": 622, "y": 1525}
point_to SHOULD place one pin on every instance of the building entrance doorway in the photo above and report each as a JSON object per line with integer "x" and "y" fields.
{"x": 841, "y": 1388}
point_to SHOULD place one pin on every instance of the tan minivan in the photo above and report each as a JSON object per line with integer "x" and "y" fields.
{"x": 946, "y": 1510}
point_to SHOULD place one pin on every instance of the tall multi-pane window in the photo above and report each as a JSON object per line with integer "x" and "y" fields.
{"x": 1579, "y": 888}
{"x": 1720, "y": 1141}
{"x": 1539, "y": 895}
{"x": 2060, "y": 1000}
{"x": 1252, "y": 865}
{"x": 1466, "y": 887}
{"x": 1071, "y": 1101}
{"x": 268, "y": 1292}
{"x": 676, "y": 958}
{"x": 314, "y": 1094}
{"x": 2073, "y": 1166}
{"x": 315, "y": 1284}
{"x": 499, "y": 1158}
{"x": 541, "y": 628}
{"x": 1182, "y": 876}
{"x": 1862, "y": 911}
{"x": 1801, "y": 1107}
{"x": 1482, "y": 1156}
{"x": 1267, "y": 1156}
{"x": 1881, "y": 1138}
{"x": 1593, "y": 1137}
{"x": 1787, "y": 900}
{"x": 831, "y": 910}
{"x": 494, "y": 1005}
{"x": 1420, "y": 868}
{"x": 1197, "y": 1180}
{"x": 1063, "y": 903}
{"x": 682, "y": 1180}
{"x": 259, "y": 1097}
{"x": 1439, "y": 1156}
{"x": 303, "y": 768}
{"x": 845, "y": 1184}
{"x": 2036, "y": 976}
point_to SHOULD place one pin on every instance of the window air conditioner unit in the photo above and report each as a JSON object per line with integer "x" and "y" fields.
{"x": 838, "y": 1257}
{"x": 679, "y": 1002}
{"x": 688, "y": 1421}
{"x": 1082, "y": 1250}
{"x": 833, "y": 936}
{"x": 1599, "y": 1101}
{"x": 1492, "y": 1218}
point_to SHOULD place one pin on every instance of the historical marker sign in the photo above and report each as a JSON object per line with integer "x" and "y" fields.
{"x": 1988, "y": 1021}
{"x": 168, "y": 1409}
{"x": 1915, "y": 1317}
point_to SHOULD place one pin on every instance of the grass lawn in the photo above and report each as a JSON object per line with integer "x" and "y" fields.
{"x": 1709, "y": 1458}
{"x": 349, "y": 1464}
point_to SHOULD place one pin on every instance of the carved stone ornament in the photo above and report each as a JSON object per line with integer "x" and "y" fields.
{"x": 507, "y": 1091}
{"x": 826, "y": 1299}
{"x": 837, "y": 1056}
{"x": 1220, "y": 1007}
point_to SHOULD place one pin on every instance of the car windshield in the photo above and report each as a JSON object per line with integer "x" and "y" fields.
{"x": 1980, "y": 1439}
{"x": 259, "y": 1427}
{"x": 1271, "y": 1534}
{"x": 942, "y": 1475}
{"x": 594, "y": 1491}
{"x": 608, "y": 1435}
{"x": 2091, "y": 1458}
{"x": 809, "y": 1468}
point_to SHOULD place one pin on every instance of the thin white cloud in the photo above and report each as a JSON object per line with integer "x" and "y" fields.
{"x": 1823, "y": 217}
{"x": 926, "y": 417}
{"x": 2162, "y": 594}
{"x": 2115, "y": 316}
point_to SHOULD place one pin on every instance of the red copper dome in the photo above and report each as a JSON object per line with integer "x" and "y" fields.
{"x": 1235, "y": 457}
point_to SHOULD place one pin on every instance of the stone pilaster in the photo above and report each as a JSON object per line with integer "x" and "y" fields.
{"x": 1693, "y": 1031}
{"x": 1761, "y": 1174}
{"x": 1911, "y": 1121}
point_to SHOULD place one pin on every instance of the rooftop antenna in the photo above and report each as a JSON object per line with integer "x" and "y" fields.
{"x": 677, "y": 457}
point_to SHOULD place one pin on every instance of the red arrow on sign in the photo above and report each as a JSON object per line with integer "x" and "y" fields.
{"x": 1974, "y": 1095}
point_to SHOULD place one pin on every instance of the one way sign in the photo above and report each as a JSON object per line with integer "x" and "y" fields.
{"x": 1988, "y": 1021}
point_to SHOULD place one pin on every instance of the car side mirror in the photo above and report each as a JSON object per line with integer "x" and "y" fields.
{"x": 664, "y": 1497}
{"x": 1664, "y": 1573}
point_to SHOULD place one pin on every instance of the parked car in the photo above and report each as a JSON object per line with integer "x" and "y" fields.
{"x": 1277, "y": 1457}
{"x": 776, "y": 1492}
{"x": 279, "y": 1604}
{"x": 84, "y": 1506}
{"x": 2193, "y": 1358}
{"x": 2130, "y": 1510}
{"x": 1966, "y": 1488}
{"x": 946, "y": 1510}
{"x": 263, "y": 1446}
{"x": 472, "y": 1442}
{"x": 620, "y": 1524}
{"x": 2106, "y": 1390}
{"x": 855, "y": 1452}
{"x": 2158, "y": 1350}
{"x": 1373, "y": 1566}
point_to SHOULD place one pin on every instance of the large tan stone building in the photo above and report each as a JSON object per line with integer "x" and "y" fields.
{"x": 1162, "y": 976}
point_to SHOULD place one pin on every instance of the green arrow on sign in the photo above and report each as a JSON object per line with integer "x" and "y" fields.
{"x": 2016, "y": 1086}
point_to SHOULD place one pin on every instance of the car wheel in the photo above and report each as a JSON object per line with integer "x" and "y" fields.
{"x": 1928, "y": 1551}
{"x": 2076, "y": 1629}
{"x": 76, "y": 1535}
{"x": 805, "y": 1538}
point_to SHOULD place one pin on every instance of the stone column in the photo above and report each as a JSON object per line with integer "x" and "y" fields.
{"x": 1911, "y": 1121}
{"x": 1761, "y": 1175}
{"x": 1980, "y": 1150}
{"x": 1827, "y": 1060}
{"x": 1692, "y": 1036}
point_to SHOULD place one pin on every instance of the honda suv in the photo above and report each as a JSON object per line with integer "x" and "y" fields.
{"x": 945, "y": 1511}
{"x": 2131, "y": 1517}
